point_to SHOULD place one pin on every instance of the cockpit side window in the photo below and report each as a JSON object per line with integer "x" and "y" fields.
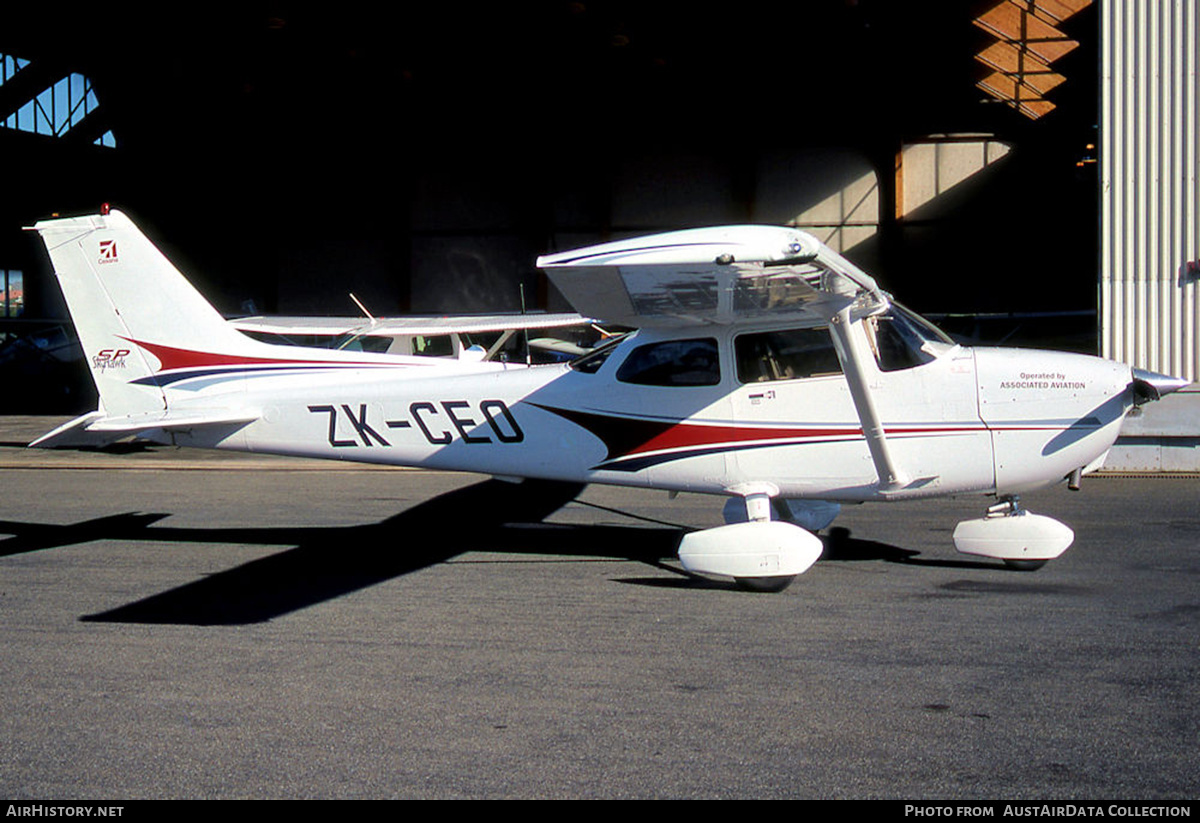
{"x": 789, "y": 354}
{"x": 673, "y": 363}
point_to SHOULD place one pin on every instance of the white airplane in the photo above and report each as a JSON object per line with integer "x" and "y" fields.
{"x": 766, "y": 368}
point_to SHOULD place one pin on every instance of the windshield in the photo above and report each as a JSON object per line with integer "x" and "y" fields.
{"x": 358, "y": 341}
{"x": 921, "y": 326}
{"x": 902, "y": 339}
{"x": 590, "y": 363}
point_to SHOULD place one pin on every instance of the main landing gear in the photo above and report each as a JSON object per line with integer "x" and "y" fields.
{"x": 760, "y": 554}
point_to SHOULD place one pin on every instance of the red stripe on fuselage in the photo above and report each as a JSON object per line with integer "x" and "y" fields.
{"x": 690, "y": 435}
{"x": 171, "y": 358}
{"x": 627, "y": 437}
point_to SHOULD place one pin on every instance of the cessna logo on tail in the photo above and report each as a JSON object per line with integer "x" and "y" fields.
{"x": 108, "y": 251}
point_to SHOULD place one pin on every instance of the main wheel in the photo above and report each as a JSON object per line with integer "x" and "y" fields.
{"x": 765, "y": 584}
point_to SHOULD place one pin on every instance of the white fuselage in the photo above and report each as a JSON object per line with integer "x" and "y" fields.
{"x": 966, "y": 421}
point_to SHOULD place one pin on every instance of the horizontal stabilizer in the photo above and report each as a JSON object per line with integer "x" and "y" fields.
{"x": 74, "y": 435}
{"x": 96, "y": 429}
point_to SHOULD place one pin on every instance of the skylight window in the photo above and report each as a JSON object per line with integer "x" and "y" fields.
{"x": 9, "y": 66}
{"x": 55, "y": 110}
{"x": 1027, "y": 42}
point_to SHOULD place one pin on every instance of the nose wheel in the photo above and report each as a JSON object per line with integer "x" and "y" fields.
{"x": 1025, "y": 565}
{"x": 1022, "y": 540}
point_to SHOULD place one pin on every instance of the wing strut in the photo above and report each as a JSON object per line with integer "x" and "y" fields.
{"x": 851, "y": 351}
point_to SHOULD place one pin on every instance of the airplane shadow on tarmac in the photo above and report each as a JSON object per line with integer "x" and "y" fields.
{"x": 328, "y": 562}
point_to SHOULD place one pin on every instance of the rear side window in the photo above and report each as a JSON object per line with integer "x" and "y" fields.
{"x": 673, "y": 363}
{"x": 790, "y": 354}
{"x": 432, "y": 345}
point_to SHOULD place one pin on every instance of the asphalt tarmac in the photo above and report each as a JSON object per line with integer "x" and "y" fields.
{"x": 184, "y": 625}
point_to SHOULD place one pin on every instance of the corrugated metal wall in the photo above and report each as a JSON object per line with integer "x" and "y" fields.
{"x": 1150, "y": 154}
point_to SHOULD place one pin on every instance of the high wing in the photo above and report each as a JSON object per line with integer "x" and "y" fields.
{"x": 393, "y": 326}
{"x": 727, "y": 275}
{"x": 465, "y": 338}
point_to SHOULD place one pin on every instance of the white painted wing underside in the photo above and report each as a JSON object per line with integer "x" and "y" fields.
{"x": 735, "y": 274}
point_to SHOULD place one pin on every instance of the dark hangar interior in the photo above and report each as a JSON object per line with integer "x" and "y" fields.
{"x": 422, "y": 155}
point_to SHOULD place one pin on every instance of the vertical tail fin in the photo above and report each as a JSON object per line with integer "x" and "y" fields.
{"x": 124, "y": 294}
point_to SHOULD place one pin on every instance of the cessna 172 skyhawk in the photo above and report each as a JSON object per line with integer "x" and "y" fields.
{"x": 766, "y": 368}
